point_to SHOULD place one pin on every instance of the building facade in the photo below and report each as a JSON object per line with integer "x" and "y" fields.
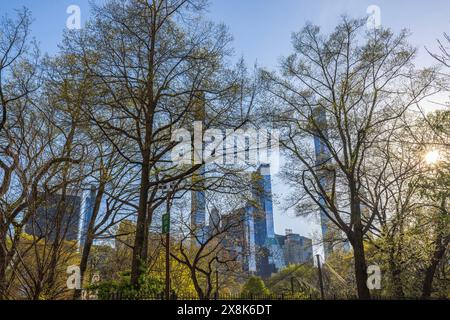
{"x": 324, "y": 159}
{"x": 198, "y": 208}
{"x": 297, "y": 249}
{"x": 267, "y": 250}
{"x": 250, "y": 234}
{"x": 88, "y": 210}
{"x": 58, "y": 217}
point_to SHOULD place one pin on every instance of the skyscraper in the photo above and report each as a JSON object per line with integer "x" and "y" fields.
{"x": 268, "y": 251}
{"x": 198, "y": 206}
{"x": 252, "y": 239}
{"x": 297, "y": 249}
{"x": 214, "y": 219}
{"x": 88, "y": 210}
{"x": 57, "y": 217}
{"x": 198, "y": 203}
{"x": 323, "y": 159}
{"x": 237, "y": 240}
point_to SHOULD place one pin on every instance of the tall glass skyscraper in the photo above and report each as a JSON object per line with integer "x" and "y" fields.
{"x": 198, "y": 207}
{"x": 323, "y": 158}
{"x": 251, "y": 240}
{"x": 198, "y": 202}
{"x": 88, "y": 210}
{"x": 267, "y": 248}
{"x": 57, "y": 217}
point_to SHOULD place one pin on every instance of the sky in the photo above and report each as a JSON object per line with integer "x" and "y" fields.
{"x": 262, "y": 31}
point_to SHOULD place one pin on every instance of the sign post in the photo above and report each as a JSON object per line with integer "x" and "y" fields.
{"x": 166, "y": 231}
{"x": 165, "y": 223}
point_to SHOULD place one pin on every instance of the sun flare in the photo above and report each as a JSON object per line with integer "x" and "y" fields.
{"x": 432, "y": 157}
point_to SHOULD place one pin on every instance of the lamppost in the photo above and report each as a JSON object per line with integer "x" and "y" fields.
{"x": 319, "y": 269}
{"x": 217, "y": 281}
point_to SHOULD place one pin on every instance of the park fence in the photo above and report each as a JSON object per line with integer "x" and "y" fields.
{"x": 268, "y": 297}
{"x": 161, "y": 296}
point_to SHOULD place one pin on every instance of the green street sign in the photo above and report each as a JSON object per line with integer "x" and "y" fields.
{"x": 165, "y": 223}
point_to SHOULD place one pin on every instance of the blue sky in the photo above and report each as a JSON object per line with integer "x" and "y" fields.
{"x": 262, "y": 28}
{"x": 262, "y": 31}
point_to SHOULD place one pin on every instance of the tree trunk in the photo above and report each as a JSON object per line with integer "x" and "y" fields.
{"x": 3, "y": 265}
{"x": 89, "y": 238}
{"x": 57, "y": 242}
{"x": 441, "y": 247}
{"x": 360, "y": 266}
{"x": 148, "y": 222}
{"x": 141, "y": 222}
{"x": 197, "y": 287}
{"x": 356, "y": 239}
{"x": 442, "y": 242}
{"x": 397, "y": 283}
{"x": 395, "y": 270}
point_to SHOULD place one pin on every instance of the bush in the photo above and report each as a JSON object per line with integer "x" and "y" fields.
{"x": 254, "y": 287}
{"x": 149, "y": 287}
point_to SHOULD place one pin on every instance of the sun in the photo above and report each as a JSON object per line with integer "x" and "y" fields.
{"x": 432, "y": 157}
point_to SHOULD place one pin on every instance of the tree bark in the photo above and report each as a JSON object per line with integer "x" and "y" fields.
{"x": 396, "y": 279}
{"x": 357, "y": 242}
{"x": 360, "y": 266}
{"x": 89, "y": 237}
{"x": 3, "y": 265}
{"x": 141, "y": 223}
{"x": 197, "y": 287}
{"x": 442, "y": 242}
{"x": 430, "y": 272}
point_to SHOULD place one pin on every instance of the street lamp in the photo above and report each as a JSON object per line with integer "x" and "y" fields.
{"x": 169, "y": 189}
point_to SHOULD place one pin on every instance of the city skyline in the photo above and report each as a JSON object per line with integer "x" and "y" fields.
{"x": 209, "y": 149}
{"x": 269, "y": 43}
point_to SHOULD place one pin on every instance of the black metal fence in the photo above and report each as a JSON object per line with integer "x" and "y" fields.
{"x": 161, "y": 296}
{"x": 269, "y": 297}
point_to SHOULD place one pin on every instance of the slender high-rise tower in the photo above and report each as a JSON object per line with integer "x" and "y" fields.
{"x": 198, "y": 203}
{"x": 214, "y": 219}
{"x": 264, "y": 192}
{"x": 323, "y": 159}
{"x": 198, "y": 206}
{"x": 268, "y": 251}
{"x": 88, "y": 210}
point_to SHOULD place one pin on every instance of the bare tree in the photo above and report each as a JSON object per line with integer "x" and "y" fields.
{"x": 342, "y": 89}
{"x": 208, "y": 249}
{"x": 33, "y": 158}
{"x": 152, "y": 63}
{"x": 392, "y": 172}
